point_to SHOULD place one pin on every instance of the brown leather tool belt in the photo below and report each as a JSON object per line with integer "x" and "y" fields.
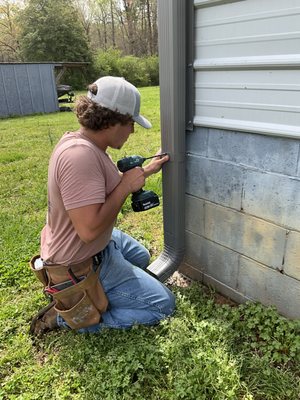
{"x": 77, "y": 290}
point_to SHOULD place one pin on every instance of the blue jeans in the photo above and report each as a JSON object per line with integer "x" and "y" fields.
{"x": 134, "y": 296}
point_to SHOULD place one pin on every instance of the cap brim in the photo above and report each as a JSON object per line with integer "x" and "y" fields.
{"x": 142, "y": 121}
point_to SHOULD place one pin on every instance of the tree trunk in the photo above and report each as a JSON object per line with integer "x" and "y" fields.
{"x": 129, "y": 11}
{"x": 112, "y": 24}
{"x": 150, "y": 38}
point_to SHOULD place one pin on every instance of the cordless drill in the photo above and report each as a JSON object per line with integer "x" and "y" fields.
{"x": 141, "y": 200}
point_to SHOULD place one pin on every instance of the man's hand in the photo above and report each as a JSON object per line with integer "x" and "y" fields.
{"x": 133, "y": 179}
{"x": 155, "y": 165}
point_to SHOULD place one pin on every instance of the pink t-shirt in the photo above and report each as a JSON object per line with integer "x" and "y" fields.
{"x": 80, "y": 174}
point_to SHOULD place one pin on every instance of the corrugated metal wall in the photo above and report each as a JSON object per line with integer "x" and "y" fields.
{"x": 247, "y": 60}
{"x": 27, "y": 89}
{"x": 242, "y": 229}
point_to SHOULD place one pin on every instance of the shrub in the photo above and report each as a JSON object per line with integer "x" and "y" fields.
{"x": 152, "y": 68}
{"x": 106, "y": 62}
{"x": 134, "y": 70}
{"x": 139, "y": 71}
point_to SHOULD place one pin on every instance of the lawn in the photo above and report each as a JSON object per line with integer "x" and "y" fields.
{"x": 207, "y": 350}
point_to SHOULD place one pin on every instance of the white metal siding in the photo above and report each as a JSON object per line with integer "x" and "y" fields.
{"x": 247, "y": 65}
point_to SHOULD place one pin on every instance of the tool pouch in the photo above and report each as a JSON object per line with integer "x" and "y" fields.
{"x": 40, "y": 273}
{"x": 82, "y": 304}
{"x": 58, "y": 273}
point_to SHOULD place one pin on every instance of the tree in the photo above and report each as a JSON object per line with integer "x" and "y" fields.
{"x": 130, "y": 12}
{"x": 9, "y": 45}
{"x": 103, "y": 30}
{"x": 128, "y": 25}
{"x": 51, "y": 31}
{"x": 138, "y": 23}
{"x": 85, "y": 10}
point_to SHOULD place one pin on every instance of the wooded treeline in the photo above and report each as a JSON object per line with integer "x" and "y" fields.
{"x": 77, "y": 30}
{"x": 128, "y": 25}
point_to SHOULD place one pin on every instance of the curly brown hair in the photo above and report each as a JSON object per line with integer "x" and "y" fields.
{"x": 93, "y": 116}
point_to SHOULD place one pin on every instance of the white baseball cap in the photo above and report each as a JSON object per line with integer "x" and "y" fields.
{"x": 119, "y": 95}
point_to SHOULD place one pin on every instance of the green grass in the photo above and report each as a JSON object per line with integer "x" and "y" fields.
{"x": 205, "y": 351}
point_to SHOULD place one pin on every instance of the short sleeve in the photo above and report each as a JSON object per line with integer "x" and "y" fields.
{"x": 80, "y": 177}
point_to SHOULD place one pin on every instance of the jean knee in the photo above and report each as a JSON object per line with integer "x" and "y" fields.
{"x": 168, "y": 303}
{"x": 144, "y": 258}
{"x": 132, "y": 250}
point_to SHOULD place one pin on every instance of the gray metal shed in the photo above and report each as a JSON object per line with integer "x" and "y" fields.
{"x": 27, "y": 88}
{"x": 229, "y": 81}
{"x": 30, "y": 88}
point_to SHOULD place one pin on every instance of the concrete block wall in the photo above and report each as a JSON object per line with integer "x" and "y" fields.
{"x": 243, "y": 216}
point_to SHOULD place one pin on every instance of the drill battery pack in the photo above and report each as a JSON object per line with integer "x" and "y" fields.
{"x": 144, "y": 200}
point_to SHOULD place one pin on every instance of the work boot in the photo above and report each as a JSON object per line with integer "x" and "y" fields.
{"x": 44, "y": 321}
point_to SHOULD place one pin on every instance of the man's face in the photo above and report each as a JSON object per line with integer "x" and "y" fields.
{"x": 120, "y": 134}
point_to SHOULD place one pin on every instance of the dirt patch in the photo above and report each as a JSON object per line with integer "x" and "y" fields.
{"x": 219, "y": 299}
{"x": 180, "y": 280}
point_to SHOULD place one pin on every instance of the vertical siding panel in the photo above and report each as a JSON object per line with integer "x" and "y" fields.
{"x": 11, "y": 90}
{"x": 48, "y": 86}
{"x": 3, "y": 96}
{"x": 54, "y": 90}
{"x": 18, "y": 82}
{"x": 42, "y": 85}
{"x": 36, "y": 88}
{"x": 23, "y": 89}
{"x": 29, "y": 88}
